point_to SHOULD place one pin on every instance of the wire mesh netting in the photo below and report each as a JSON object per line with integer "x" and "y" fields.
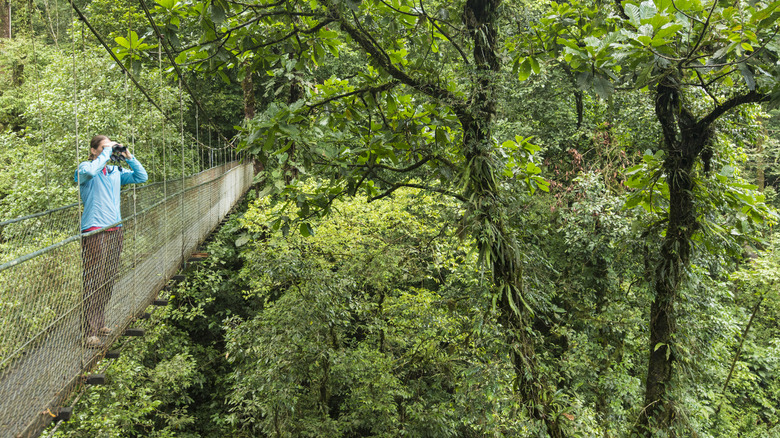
{"x": 60, "y": 290}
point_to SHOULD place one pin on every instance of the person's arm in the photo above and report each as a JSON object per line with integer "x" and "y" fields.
{"x": 89, "y": 169}
{"x": 137, "y": 174}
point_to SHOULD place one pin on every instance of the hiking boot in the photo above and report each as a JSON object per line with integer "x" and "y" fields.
{"x": 93, "y": 342}
{"x": 105, "y": 331}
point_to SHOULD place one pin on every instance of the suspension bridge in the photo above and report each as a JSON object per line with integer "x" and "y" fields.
{"x": 43, "y": 356}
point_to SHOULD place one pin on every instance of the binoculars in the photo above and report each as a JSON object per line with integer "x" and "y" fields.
{"x": 116, "y": 153}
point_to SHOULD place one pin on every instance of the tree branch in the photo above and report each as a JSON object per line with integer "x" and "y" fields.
{"x": 739, "y": 348}
{"x": 717, "y": 78}
{"x": 201, "y": 60}
{"x": 703, "y": 31}
{"x": 369, "y": 171}
{"x": 692, "y": 18}
{"x": 256, "y": 19}
{"x": 751, "y": 97}
{"x": 404, "y": 169}
{"x": 397, "y": 186}
{"x": 379, "y": 88}
{"x": 364, "y": 40}
{"x": 704, "y": 87}
{"x": 398, "y": 10}
{"x": 668, "y": 58}
{"x": 441, "y": 31}
{"x": 255, "y": 6}
{"x": 745, "y": 59}
{"x": 295, "y": 32}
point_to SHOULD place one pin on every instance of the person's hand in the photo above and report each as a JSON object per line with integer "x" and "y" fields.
{"x": 127, "y": 154}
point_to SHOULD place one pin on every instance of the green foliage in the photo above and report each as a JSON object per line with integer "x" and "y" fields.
{"x": 113, "y": 19}
{"x": 374, "y": 325}
{"x": 718, "y": 44}
{"x": 41, "y": 149}
{"x": 592, "y": 325}
{"x": 130, "y": 50}
{"x": 371, "y": 328}
{"x": 145, "y": 391}
{"x": 734, "y": 349}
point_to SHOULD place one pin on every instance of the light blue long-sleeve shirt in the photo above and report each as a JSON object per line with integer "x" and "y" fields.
{"x": 100, "y": 193}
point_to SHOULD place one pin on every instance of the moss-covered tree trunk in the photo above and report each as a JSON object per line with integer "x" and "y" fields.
{"x": 248, "y": 87}
{"x": 486, "y": 217}
{"x": 486, "y": 214}
{"x": 684, "y": 141}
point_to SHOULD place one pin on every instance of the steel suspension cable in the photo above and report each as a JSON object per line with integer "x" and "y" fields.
{"x": 181, "y": 125}
{"x": 175, "y": 65}
{"x": 119, "y": 63}
{"x": 76, "y": 132}
{"x": 135, "y": 186}
{"x": 111, "y": 52}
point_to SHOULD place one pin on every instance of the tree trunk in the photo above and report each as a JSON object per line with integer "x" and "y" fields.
{"x": 684, "y": 140}
{"x": 248, "y": 86}
{"x": 296, "y": 94}
{"x": 580, "y": 109}
{"x": 760, "y": 159}
{"x": 5, "y": 19}
{"x": 486, "y": 213}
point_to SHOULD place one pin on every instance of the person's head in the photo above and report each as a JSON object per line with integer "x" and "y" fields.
{"x": 97, "y": 144}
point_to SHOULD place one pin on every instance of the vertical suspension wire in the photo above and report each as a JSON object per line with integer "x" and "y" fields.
{"x": 80, "y": 306}
{"x": 131, "y": 122}
{"x": 197, "y": 136}
{"x": 212, "y": 222}
{"x": 182, "y": 189}
{"x": 40, "y": 111}
{"x": 165, "y": 237}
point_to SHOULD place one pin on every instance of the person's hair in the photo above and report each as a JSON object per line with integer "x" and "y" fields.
{"x": 94, "y": 143}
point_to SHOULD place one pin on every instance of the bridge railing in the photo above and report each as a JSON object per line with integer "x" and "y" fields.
{"x": 42, "y": 350}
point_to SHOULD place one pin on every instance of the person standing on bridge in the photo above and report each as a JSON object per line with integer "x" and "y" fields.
{"x": 99, "y": 184}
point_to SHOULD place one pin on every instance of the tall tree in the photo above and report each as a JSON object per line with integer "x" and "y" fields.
{"x": 701, "y": 61}
{"x": 5, "y": 18}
